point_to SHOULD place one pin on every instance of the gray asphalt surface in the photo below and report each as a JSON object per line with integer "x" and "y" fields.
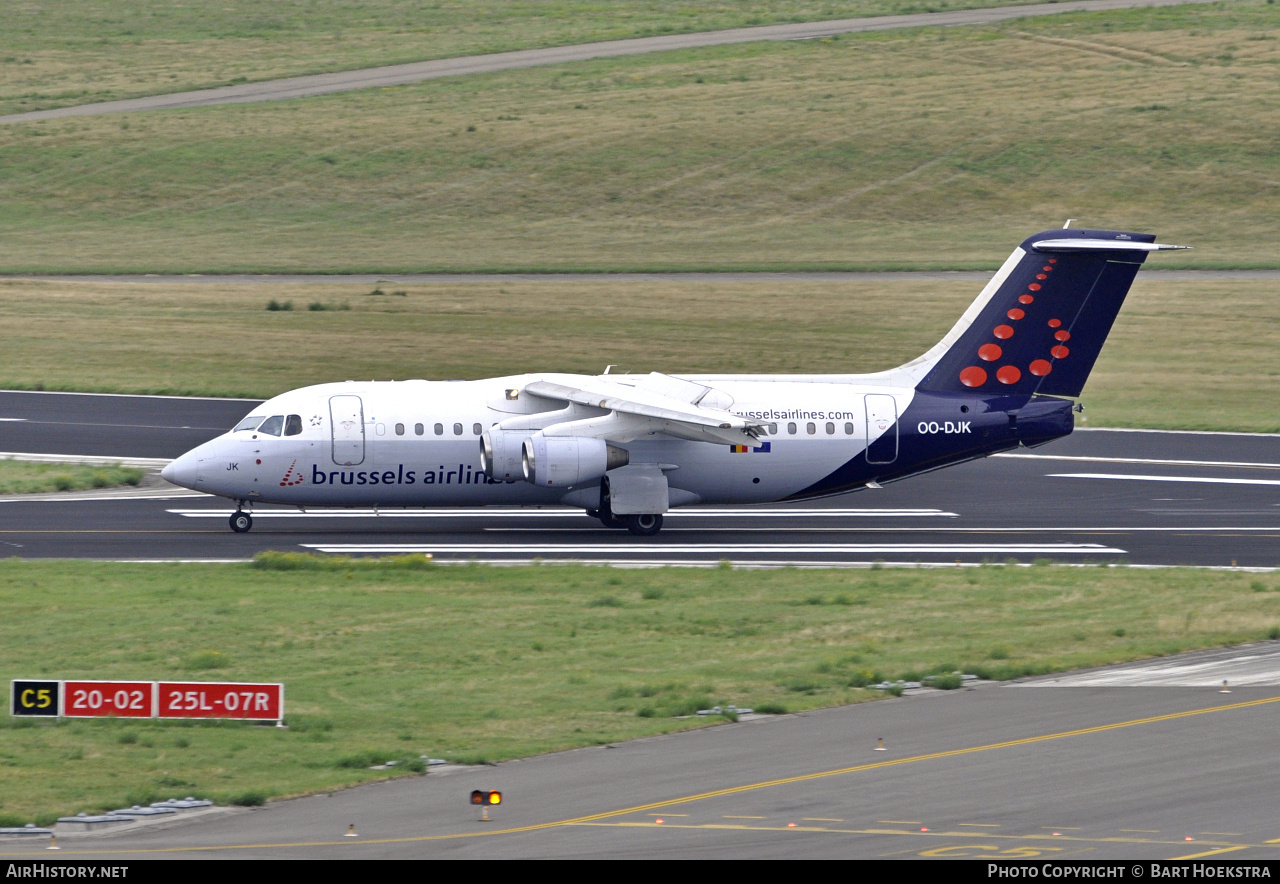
{"x": 403, "y": 74}
{"x": 1097, "y": 496}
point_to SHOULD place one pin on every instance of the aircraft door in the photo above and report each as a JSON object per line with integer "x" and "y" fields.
{"x": 346, "y": 414}
{"x": 882, "y": 422}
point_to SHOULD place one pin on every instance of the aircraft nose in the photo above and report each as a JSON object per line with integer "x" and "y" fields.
{"x": 181, "y": 472}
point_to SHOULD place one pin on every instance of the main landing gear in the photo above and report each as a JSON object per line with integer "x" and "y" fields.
{"x": 645, "y": 525}
{"x": 642, "y": 525}
{"x": 241, "y": 521}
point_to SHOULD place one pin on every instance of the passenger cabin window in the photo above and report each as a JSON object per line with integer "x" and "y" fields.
{"x": 457, "y": 429}
{"x": 418, "y": 429}
{"x": 439, "y": 428}
{"x": 811, "y": 428}
{"x": 272, "y": 425}
{"x": 831, "y": 429}
{"x": 476, "y": 429}
{"x": 848, "y": 429}
{"x": 293, "y": 425}
{"x": 773, "y": 429}
{"x": 791, "y": 429}
{"x": 399, "y": 429}
{"x": 249, "y": 423}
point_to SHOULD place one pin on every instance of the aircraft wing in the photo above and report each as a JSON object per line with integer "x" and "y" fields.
{"x": 667, "y": 405}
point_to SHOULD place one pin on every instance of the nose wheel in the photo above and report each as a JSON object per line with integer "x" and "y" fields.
{"x": 241, "y": 521}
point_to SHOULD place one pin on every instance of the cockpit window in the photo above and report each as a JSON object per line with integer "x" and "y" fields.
{"x": 249, "y": 423}
{"x": 293, "y": 425}
{"x": 272, "y": 425}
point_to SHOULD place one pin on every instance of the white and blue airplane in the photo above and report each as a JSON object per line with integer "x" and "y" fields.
{"x": 626, "y": 448}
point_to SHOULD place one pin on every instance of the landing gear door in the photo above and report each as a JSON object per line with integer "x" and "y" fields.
{"x": 882, "y": 426}
{"x": 346, "y": 415}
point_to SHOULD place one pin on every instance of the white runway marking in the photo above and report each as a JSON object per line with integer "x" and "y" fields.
{"x": 1150, "y": 461}
{"x": 492, "y": 512}
{"x": 730, "y": 513}
{"x": 1172, "y": 432}
{"x": 14, "y": 420}
{"x": 1204, "y": 480}
{"x": 720, "y": 548}
{"x": 1198, "y": 669}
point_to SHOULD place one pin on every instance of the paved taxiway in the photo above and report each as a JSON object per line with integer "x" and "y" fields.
{"x": 995, "y": 772}
{"x": 1097, "y": 496}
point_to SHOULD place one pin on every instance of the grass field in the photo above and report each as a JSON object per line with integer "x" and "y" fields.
{"x": 81, "y": 51}
{"x": 923, "y": 148}
{"x": 18, "y": 477}
{"x": 394, "y": 661}
{"x": 1190, "y": 355}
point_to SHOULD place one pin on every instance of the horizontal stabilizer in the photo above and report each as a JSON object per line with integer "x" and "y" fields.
{"x": 1101, "y": 245}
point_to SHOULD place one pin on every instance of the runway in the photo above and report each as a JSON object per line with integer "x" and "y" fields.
{"x": 1098, "y": 496}
{"x": 1143, "y": 761}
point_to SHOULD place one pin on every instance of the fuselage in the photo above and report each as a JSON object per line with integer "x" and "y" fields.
{"x": 416, "y": 443}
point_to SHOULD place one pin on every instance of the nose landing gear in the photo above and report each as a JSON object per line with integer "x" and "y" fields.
{"x": 241, "y": 521}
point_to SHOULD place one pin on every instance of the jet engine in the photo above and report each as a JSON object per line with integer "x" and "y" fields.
{"x": 562, "y": 461}
{"x": 500, "y": 455}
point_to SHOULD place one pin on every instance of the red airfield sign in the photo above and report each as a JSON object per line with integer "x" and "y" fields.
{"x": 185, "y": 699}
{"x": 147, "y": 699}
{"x": 103, "y": 699}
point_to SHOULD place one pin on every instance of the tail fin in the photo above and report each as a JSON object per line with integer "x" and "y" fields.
{"x": 1039, "y": 324}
